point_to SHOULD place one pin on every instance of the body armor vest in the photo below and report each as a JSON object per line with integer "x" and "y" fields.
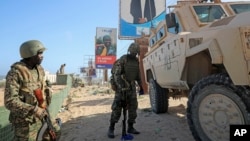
{"x": 131, "y": 69}
{"x": 30, "y": 79}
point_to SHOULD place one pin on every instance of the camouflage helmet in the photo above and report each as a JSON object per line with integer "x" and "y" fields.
{"x": 30, "y": 48}
{"x": 134, "y": 48}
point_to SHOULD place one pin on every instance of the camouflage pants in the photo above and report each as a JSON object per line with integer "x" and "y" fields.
{"x": 23, "y": 131}
{"x": 132, "y": 105}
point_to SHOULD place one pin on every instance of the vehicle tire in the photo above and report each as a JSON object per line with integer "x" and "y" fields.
{"x": 214, "y": 103}
{"x": 158, "y": 97}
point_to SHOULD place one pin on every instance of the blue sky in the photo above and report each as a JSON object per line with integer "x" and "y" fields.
{"x": 66, "y": 27}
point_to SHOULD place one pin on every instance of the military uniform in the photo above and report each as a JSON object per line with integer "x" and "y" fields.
{"x": 19, "y": 98}
{"x": 131, "y": 97}
{"x": 125, "y": 73}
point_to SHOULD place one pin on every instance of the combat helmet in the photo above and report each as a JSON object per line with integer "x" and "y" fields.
{"x": 106, "y": 37}
{"x": 30, "y": 48}
{"x": 134, "y": 49}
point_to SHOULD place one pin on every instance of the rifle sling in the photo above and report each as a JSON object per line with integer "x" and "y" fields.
{"x": 41, "y": 131}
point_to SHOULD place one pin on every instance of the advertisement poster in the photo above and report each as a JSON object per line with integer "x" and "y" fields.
{"x": 137, "y": 17}
{"x": 105, "y": 47}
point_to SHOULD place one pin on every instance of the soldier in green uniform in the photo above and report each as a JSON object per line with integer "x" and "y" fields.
{"x": 23, "y": 79}
{"x": 125, "y": 73}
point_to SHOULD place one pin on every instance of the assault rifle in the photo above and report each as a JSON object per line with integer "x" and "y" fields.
{"x": 47, "y": 126}
{"x": 124, "y": 90}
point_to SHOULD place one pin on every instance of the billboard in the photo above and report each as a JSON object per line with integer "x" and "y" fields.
{"x": 138, "y": 16}
{"x": 105, "y": 47}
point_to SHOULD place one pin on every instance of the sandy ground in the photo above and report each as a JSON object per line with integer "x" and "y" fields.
{"x": 86, "y": 114}
{"x": 85, "y": 117}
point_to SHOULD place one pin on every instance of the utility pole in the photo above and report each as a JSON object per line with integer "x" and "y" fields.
{"x": 105, "y": 75}
{"x": 88, "y": 61}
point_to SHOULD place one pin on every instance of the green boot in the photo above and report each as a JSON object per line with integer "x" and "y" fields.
{"x": 111, "y": 130}
{"x": 132, "y": 130}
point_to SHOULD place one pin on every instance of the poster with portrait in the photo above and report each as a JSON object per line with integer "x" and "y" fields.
{"x": 105, "y": 47}
{"x": 138, "y": 16}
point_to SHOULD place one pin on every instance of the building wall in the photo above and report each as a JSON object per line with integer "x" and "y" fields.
{"x": 50, "y": 77}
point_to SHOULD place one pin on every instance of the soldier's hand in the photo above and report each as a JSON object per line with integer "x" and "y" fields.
{"x": 40, "y": 112}
{"x": 119, "y": 87}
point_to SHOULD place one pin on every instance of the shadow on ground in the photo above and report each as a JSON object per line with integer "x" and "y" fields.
{"x": 171, "y": 126}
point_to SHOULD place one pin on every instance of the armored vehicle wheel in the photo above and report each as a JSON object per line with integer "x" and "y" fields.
{"x": 213, "y": 104}
{"x": 158, "y": 97}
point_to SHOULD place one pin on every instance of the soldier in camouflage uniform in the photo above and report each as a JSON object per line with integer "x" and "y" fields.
{"x": 22, "y": 80}
{"x": 125, "y": 72}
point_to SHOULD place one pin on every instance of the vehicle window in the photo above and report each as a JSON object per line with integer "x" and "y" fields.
{"x": 152, "y": 41}
{"x": 160, "y": 33}
{"x": 209, "y": 13}
{"x": 177, "y": 28}
{"x": 239, "y": 8}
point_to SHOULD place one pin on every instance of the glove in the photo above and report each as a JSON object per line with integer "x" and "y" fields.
{"x": 141, "y": 91}
{"x": 40, "y": 112}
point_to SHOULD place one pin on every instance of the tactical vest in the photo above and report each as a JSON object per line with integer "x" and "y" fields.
{"x": 28, "y": 84}
{"x": 131, "y": 68}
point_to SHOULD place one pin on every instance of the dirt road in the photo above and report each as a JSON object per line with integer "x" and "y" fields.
{"x": 87, "y": 112}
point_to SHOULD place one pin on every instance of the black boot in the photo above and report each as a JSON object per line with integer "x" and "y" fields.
{"x": 132, "y": 130}
{"x": 111, "y": 130}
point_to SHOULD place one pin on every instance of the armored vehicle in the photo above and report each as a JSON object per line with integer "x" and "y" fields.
{"x": 202, "y": 51}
